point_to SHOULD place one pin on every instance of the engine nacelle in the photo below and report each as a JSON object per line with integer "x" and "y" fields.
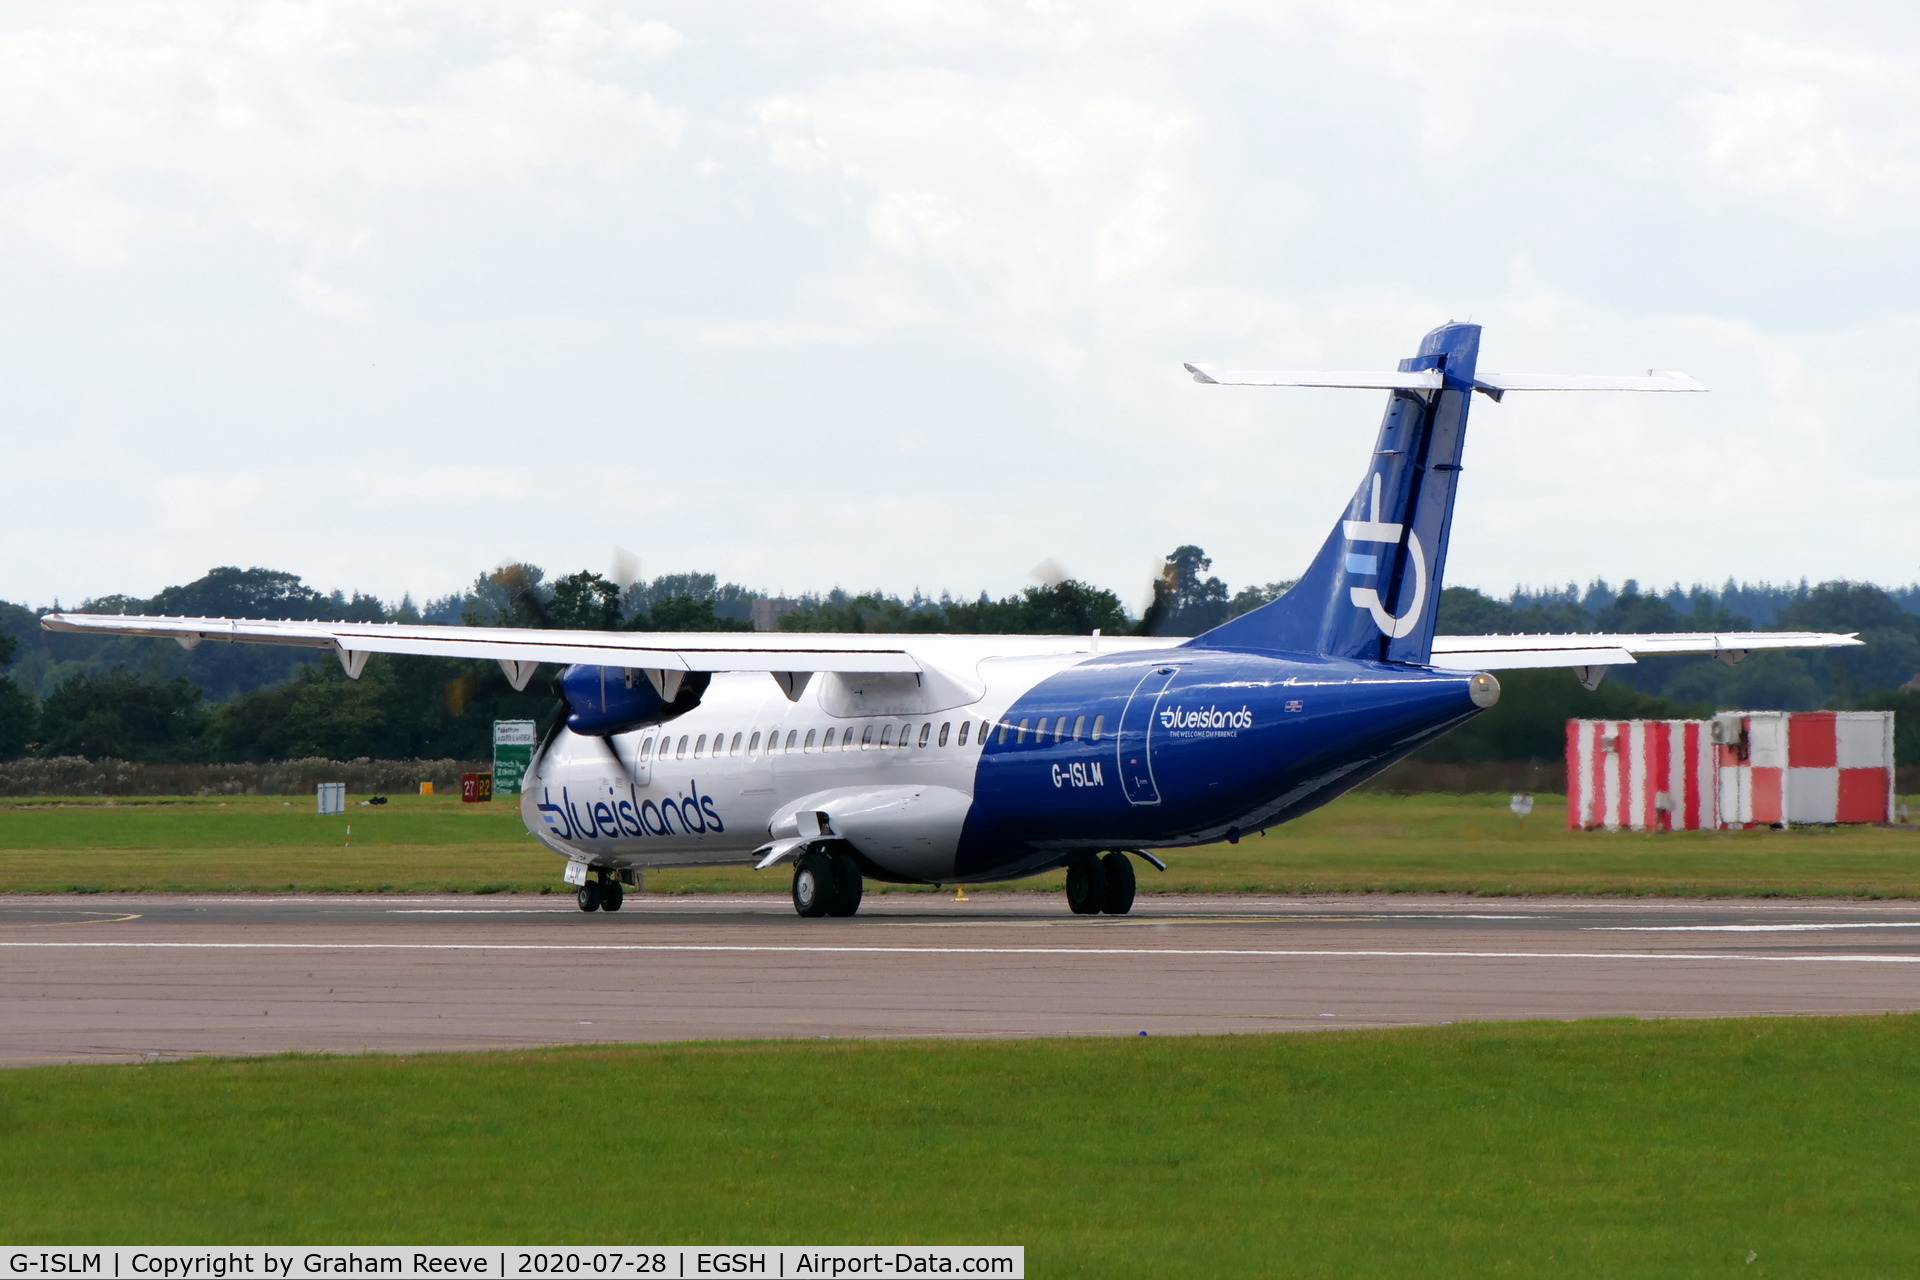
{"x": 602, "y": 701}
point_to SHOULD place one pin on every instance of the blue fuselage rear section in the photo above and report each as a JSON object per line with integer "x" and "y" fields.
{"x": 1194, "y": 746}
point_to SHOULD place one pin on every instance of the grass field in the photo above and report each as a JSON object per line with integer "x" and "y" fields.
{"x": 1750, "y": 1147}
{"x": 1364, "y": 842}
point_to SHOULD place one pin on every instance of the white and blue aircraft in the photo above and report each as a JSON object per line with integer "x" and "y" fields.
{"x": 940, "y": 759}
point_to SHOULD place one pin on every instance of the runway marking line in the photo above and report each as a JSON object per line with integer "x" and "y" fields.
{"x": 1749, "y": 928}
{"x": 796, "y": 949}
{"x": 105, "y": 917}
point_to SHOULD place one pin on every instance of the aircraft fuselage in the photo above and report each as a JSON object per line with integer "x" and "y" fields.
{"x": 1057, "y": 755}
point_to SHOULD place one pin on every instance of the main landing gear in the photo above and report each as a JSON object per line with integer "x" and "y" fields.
{"x": 826, "y": 883}
{"x": 602, "y": 893}
{"x": 1097, "y": 886}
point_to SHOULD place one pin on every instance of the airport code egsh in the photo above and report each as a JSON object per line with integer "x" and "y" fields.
{"x": 279, "y": 1262}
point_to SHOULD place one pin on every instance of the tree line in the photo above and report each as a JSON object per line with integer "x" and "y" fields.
{"x": 142, "y": 700}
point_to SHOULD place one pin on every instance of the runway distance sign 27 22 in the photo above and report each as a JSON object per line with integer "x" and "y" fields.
{"x": 283, "y": 1262}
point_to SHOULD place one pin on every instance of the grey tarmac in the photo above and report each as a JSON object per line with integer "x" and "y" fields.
{"x": 103, "y": 978}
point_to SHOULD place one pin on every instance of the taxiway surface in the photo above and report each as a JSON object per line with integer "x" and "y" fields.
{"x": 107, "y": 978}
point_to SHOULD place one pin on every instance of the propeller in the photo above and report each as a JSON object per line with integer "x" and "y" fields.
{"x": 1049, "y": 573}
{"x": 1154, "y": 615}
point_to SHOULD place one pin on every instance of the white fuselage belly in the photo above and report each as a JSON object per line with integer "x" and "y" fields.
{"x": 701, "y": 790}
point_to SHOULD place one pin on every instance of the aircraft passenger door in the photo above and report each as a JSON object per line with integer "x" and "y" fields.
{"x": 1134, "y": 741}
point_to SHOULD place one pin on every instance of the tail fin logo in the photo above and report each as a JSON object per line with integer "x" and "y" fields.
{"x": 1375, "y": 530}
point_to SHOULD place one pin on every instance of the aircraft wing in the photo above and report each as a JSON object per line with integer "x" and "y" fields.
{"x": 519, "y": 650}
{"x": 1498, "y": 653}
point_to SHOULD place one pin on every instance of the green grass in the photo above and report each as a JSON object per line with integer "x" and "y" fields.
{"x": 1365, "y": 842}
{"x": 1606, "y": 1148}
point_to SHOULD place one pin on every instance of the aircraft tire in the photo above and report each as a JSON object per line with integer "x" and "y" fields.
{"x": 612, "y": 895}
{"x": 1119, "y": 869}
{"x": 1086, "y": 886}
{"x": 847, "y": 886}
{"x": 588, "y": 896}
{"x": 813, "y": 889}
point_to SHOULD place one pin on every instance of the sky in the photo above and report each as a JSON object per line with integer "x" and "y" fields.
{"x": 895, "y": 294}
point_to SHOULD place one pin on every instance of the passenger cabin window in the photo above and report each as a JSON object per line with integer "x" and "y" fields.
{"x": 1060, "y": 729}
{"x": 699, "y": 746}
{"x": 1020, "y": 734}
{"x": 807, "y": 746}
{"x": 646, "y": 748}
{"x": 926, "y": 729}
{"x": 886, "y": 736}
{"x": 1005, "y": 729}
{"x": 826, "y": 743}
{"x": 944, "y": 726}
{"x": 753, "y": 743}
{"x": 680, "y": 753}
{"x": 792, "y": 736}
{"x": 846, "y": 738}
{"x": 1079, "y": 727}
{"x": 964, "y": 726}
{"x": 1099, "y": 724}
{"x": 734, "y": 750}
{"x": 866, "y": 739}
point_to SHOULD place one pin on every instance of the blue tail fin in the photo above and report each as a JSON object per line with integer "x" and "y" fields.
{"x": 1374, "y": 589}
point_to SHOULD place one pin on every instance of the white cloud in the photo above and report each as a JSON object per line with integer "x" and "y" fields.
{"x": 740, "y": 288}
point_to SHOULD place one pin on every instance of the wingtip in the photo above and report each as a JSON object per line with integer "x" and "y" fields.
{"x": 1202, "y": 373}
{"x": 1682, "y": 381}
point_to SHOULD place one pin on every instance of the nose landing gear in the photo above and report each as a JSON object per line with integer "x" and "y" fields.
{"x": 603, "y": 892}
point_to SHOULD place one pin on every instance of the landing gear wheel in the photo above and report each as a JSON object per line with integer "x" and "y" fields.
{"x": 589, "y": 896}
{"x": 813, "y": 893}
{"x": 1086, "y": 886}
{"x": 612, "y": 895}
{"x": 1119, "y": 869}
{"x": 847, "y": 886}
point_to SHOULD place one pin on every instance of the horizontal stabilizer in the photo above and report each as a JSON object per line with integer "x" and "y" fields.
{"x": 1656, "y": 380}
{"x": 1495, "y": 385}
{"x": 1423, "y": 380}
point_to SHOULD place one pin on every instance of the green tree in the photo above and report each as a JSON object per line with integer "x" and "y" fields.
{"x": 584, "y": 602}
{"x": 684, "y": 613}
{"x": 402, "y": 707}
{"x": 1466, "y": 612}
{"x": 123, "y": 716}
{"x": 871, "y": 612}
{"x": 510, "y": 596}
{"x": 1185, "y": 602}
{"x": 1247, "y": 599}
{"x": 1529, "y": 721}
{"x": 19, "y": 717}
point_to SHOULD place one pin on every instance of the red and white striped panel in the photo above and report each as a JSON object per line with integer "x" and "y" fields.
{"x": 1644, "y": 775}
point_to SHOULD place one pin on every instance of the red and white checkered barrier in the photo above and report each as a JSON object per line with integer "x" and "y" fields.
{"x": 1740, "y": 769}
{"x": 1644, "y": 775}
{"x": 1779, "y": 768}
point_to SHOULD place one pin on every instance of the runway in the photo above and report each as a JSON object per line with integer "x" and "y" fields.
{"x": 102, "y": 978}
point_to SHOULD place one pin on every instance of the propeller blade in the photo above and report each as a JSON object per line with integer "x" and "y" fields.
{"x": 1049, "y": 573}
{"x": 626, "y": 569}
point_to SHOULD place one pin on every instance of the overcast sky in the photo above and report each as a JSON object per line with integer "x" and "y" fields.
{"x": 896, "y": 294}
